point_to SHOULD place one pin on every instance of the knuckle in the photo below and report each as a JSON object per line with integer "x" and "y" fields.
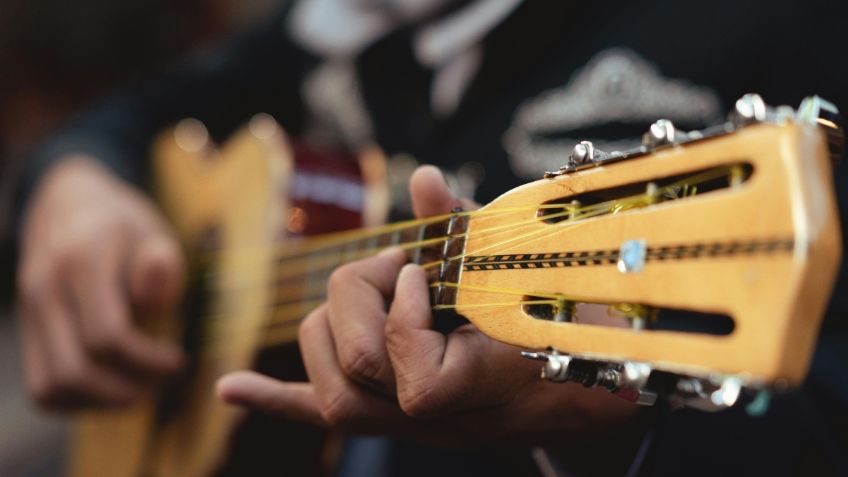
{"x": 310, "y": 324}
{"x": 360, "y": 359}
{"x": 33, "y": 282}
{"x": 39, "y": 390}
{"x": 85, "y": 234}
{"x": 403, "y": 308}
{"x": 171, "y": 256}
{"x": 341, "y": 277}
{"x": 105, "y": 337}
{"x": 418, "y": 399}
{"x": 70, "y": 378}
{"x": 74, "y": 249}
{"x": 339, "y": 409}
{"x": 394, "y": 335}
{"x": 165, "y": 259}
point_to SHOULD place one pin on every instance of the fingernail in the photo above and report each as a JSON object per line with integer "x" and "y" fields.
{"x": 388, "y": 251}
{"x": 393, "y": 250}
{"x": 409, "y": 268}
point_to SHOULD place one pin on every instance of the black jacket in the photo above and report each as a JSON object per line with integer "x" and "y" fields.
{"x": 704, "y": 55}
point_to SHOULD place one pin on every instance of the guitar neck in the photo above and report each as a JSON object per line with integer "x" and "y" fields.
{"x": 304, "y": 266}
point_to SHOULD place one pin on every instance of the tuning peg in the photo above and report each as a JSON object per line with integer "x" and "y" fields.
{"x": 748, "y": 109}
{"x": 535, "y": 356}
{"x": 825, "y": 115}
{"x": 583, "y": 153}
{"x": 660, "y": 133}
{"x": 556, "y": 365}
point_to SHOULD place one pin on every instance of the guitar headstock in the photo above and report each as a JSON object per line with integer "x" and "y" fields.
{"x": 693, "y": 266}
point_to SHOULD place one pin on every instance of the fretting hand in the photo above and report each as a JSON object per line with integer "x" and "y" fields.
{"x": 377, "y": 367}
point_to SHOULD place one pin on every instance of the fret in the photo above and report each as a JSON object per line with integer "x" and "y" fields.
{"x": 449, "y": 270}
{"x": 350, "y": 252}
{"x": 315, "y": 283}
{"x": 432, "y": 252}
{"x": 303, "y": 274}
{"x": 372, "y": 243}
{"x": 416, "y": 252}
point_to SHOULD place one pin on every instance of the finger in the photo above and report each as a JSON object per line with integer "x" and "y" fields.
{"x": 415, "y": 349}
{"x": 343, "y": 403}
{"x": 156, "y": 273}
{"x": 430, "y": 193}
{"x": 357, "y": 297}
{"x": 36, "y": 370}
{"x": 438, "y": 374}
{"x": 104, "y": 316}
{"x": 281, "y": 400}
{"x": 33, "y": 286}
{"x": 468, "y": 204}
{"x": 74, "y": 378}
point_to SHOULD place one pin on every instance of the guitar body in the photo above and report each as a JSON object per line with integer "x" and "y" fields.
{"x": 230, "y": 208}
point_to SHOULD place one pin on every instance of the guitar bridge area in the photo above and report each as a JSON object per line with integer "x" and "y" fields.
{"x": 644, "y": 193}
{"x": 632, "y": 316}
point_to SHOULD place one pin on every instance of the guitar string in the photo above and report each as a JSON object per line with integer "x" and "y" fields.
{"x": 275, "y": 336}
{"x": 282, "y": 318}
{"x": 281, "y": 325}
{"x": 601, "y": 208}
{"x": 612, "y": 206}
{"x": 570, "y": 209}
{"x": 546, "y": 233}
{"x": 298, "y": 250}
{"x": 291, "y": 248}
{"x": 282, "y": 328}
{"x": 553, "y": 230}
{"x": 307, "y": 264}
{"x": 293, "y": 311}
{"x": 300, "y": 275}
{"x": 578, "y": 213}
{"x": 297, "y": 272}
{"x": 410, "y": 245}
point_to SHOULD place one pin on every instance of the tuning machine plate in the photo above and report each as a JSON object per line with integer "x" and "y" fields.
{"x": 749, "y": 109}
{"x": 639, "y": 382}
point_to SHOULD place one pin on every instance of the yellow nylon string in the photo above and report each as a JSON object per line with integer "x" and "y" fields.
{"x": 290, "y": 313}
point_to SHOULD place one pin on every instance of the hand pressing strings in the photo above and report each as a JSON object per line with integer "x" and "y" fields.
{"x": 376, "y": 366}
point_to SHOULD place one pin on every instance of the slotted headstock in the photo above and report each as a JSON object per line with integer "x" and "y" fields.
{"x": 710, "y": 256}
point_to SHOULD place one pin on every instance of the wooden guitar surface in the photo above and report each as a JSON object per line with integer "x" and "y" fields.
{"x": 229, "y": 207}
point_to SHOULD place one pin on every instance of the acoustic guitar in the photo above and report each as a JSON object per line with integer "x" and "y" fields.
{"x": 691, "y": 268}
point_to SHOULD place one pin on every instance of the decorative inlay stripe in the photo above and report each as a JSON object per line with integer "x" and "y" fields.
{"x": 610, "y": 257}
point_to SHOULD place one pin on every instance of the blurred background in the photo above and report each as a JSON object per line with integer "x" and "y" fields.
{"x": 56, "y": 57}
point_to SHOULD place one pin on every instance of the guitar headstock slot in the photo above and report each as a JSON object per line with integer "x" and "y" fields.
{"x": 634, "y": 316}
{"x": 644, "y": 193}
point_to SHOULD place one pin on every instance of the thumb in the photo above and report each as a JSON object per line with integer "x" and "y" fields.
{"x": 430, "y": 193}
{"x": 156, "y": 272}
{"x": 416, "y": 350}
{"x": 291, "y": 401}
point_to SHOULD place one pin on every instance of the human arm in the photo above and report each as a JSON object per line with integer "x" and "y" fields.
{"x": 95, "y": 251}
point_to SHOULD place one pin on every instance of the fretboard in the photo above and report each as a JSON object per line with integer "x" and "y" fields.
{"x": 301, "y": 273}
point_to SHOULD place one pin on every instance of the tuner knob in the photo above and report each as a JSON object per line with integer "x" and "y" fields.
{"x": 583, "y": 153}
{"x": 659, "y": 134}
{"x": 825, "y": 115}
{"x": 749, "y": 109}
